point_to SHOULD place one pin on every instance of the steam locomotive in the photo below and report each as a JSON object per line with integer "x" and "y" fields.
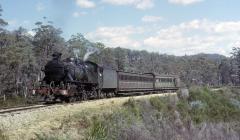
{"x": 71, "y": 80}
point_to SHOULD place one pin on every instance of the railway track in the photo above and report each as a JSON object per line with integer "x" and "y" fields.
{"x": 17, "y": 109}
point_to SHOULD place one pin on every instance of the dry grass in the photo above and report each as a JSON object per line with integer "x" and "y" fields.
{"x": 203, "y": 114}
{"x": 44, "y": 121}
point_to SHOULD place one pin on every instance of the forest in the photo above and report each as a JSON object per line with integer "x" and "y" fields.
{"x": 22, "y": 57}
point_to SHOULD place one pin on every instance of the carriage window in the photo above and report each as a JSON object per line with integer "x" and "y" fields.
{"x": 131, "y": 78}
{"x": 136, "y": 78}
{"x": 128, "y": 78}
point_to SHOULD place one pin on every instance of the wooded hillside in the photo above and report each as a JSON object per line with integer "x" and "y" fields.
{"x": 23, "y": 55}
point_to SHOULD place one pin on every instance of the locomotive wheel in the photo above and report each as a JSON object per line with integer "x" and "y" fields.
{"x": 113, "y": 94}
{"x": 104, "y": 94}
{"x": 84, "y": 96}
{"x": 64, "y": 99}
{"x": 109, "y": 95}
{"x": 72, "y": 99}
{"x": 99, "y": 94}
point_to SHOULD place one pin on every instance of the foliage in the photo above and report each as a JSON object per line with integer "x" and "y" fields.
{"x": 46, "y": 41}
{"x": 167, "y": 117}
{"x": 22, "y": 56}
{"x": 206, "y": 105}
{"x": 2, "y": 22}
{"x": 161, "y": 118}
{"x": 97, "y": 130}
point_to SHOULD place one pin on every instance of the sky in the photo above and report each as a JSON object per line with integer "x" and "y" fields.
{"x": 175, "y": 27}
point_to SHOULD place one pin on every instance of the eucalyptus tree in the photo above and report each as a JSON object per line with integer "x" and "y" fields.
{"x": 46, "y": 40}
{"x": 235, "y": 64}
{"x": 3, "y": 34}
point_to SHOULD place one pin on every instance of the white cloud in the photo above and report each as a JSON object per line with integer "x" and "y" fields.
{"x": 192, "y": 37}
{"x": 184, "y": 2}
{"x": 230, "y": 26}
{"x": 78, "y": 14}
{"x": 196, "y": 36}
{"x": 85, "y": 3}
{"x": 139, "y": 4}
{"x": 151, "y": 18}
{"x": 31, "y": 33}
{"x": 116, "y": 36}
{"x": 13, "y": 22}
{"x": 40, "y": 7}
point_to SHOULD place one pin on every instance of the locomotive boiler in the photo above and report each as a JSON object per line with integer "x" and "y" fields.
{"x": 69, "y": 79}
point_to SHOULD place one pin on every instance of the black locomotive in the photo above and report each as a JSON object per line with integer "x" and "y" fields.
{"x": 73, "y": 79}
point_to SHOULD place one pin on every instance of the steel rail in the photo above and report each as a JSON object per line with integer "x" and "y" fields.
{"x": 16, "y": 109}
{"x": 24, "y": 108}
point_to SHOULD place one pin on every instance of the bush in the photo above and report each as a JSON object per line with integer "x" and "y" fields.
{"x": 205, "y": 114}
{"x": 97, "y": 130}
{"x": 217, "y": 106}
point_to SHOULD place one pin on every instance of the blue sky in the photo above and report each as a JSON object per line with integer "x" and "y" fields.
{"x": 176, "y": 27}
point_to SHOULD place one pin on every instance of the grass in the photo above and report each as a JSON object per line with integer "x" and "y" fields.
{"x": 182, "y": 119}
{"x": 204, "y": 114}
{"x": 97, "y": 131}
{"x": 3, "y": 136}
{"x": 14, "y": 101}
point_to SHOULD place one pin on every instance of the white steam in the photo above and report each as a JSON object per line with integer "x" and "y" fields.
{"x": 76, "y": 52}
{"x": 90, "y": 50}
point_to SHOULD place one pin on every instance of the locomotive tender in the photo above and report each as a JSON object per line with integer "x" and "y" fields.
{"x": 73, "y": 79}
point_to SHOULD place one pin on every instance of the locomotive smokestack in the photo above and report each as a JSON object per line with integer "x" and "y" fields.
{"x": 56, "y": 56}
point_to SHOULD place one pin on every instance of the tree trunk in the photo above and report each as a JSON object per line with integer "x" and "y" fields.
{"x": 25, "y": 89}
{"x": 4, "y": 97}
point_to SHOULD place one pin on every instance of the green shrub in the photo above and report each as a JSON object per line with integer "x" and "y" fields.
{"x": 158, "y": 114}
{"x": 132, "y": 107}
{"x": 183, "y": 109}
{"x": 217, "y": 105}
{"x": 97, "y": 130}
{"x": 158, "y": 103}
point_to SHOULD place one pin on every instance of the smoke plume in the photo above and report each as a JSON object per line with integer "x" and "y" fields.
{"x": 90, "y": 50}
